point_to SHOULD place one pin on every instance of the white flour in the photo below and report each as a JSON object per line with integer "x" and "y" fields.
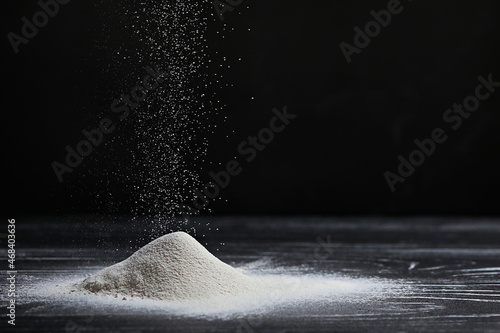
{"x": 176, "y": 274}
{"x": 173, "y": 267}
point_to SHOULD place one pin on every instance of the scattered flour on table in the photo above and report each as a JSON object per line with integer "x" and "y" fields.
{"x": 173, "y": 267}
{"x": 176, "y": 273}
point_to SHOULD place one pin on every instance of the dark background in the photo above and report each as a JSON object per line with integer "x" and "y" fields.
{"x": 354, "y": 119}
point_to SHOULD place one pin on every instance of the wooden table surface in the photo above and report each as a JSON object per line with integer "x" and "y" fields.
{"x": 445, "y": 272}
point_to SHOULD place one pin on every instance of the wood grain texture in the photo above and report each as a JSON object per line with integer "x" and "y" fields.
{"x": 443, "y": 274}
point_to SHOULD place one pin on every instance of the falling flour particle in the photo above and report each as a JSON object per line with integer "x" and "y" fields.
{"x": 173, "y": 267}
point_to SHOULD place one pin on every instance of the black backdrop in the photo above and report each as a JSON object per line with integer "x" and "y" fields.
{"x": 354, "y": 120}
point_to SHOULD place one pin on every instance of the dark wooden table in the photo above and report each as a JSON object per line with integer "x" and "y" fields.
{"x": 446, "y": 272}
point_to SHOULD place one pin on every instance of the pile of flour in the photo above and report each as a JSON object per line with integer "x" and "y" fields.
{"x": 173, "y": 267}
